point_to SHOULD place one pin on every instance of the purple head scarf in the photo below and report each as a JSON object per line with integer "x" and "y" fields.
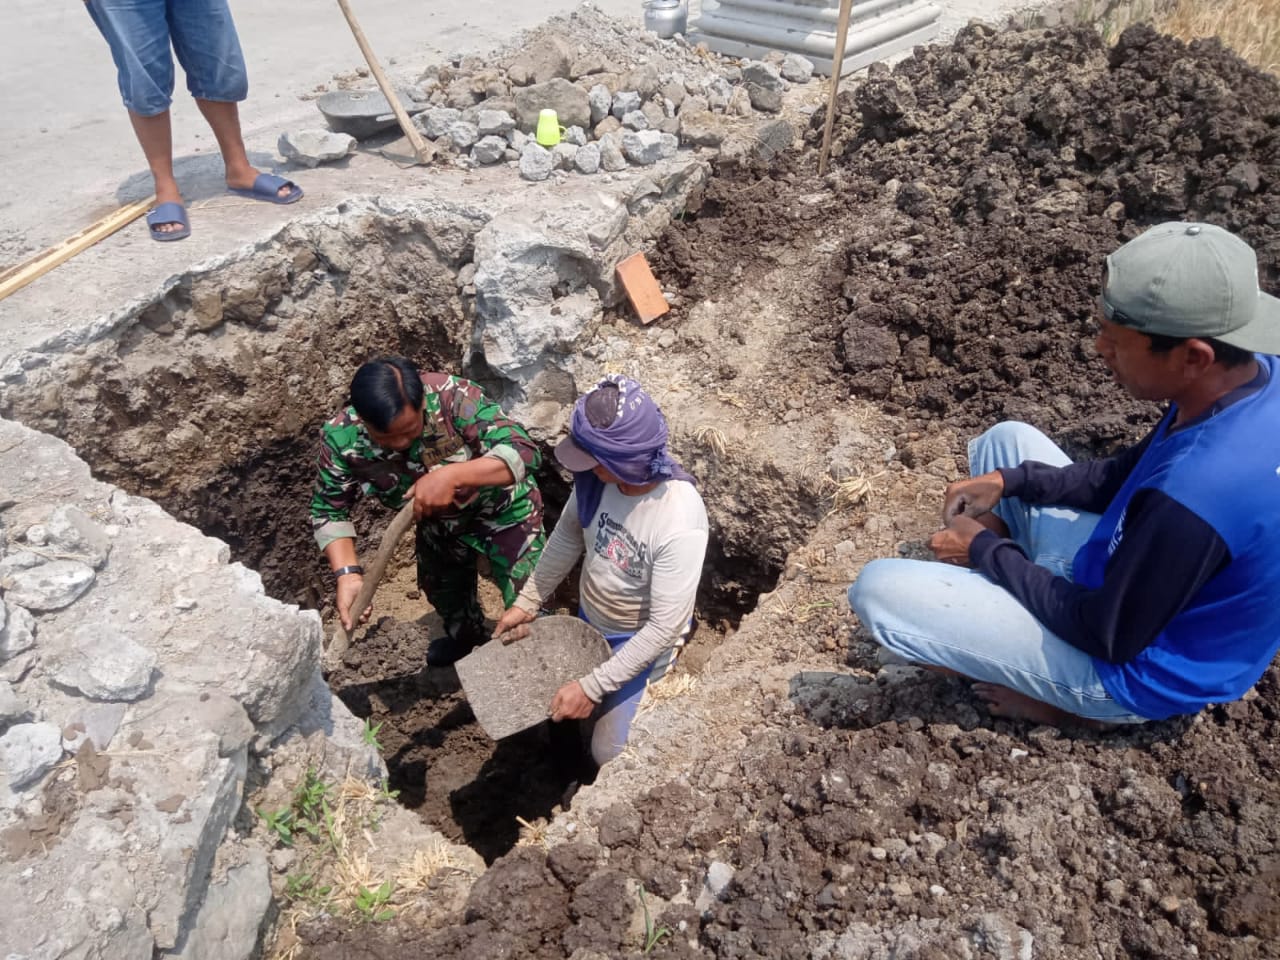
{"x": 633, "y": 447}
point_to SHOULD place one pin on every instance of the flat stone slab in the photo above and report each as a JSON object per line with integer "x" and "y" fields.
{"x": 510, "y": 686}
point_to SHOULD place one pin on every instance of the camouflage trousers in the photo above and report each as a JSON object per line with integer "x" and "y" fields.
{"x": 447, "y": 549}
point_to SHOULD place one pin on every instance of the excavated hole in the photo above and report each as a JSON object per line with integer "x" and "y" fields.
{"x": 215, "y": 417}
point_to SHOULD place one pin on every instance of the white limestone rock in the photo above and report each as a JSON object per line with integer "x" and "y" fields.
{"x": 105, "y": 664}
{"x": 28, "y": 751}
{"x": 96, "y": 724}
{"x": 600, "y": 100}
{"x": 625, "y": 102}
{"x": 49, "y": 586}
{"x": 489, "y": 149}
{"x": 435, "y": 123}
{"x": 536, "y": 162}
{"x": 463, "y": 135}
{"x": 73, "y": 532}
{"x": 587, "y": 158}
{"x": 796, "y": 68}
{"x": 310, "y": 148}
{"x": 494, "y": 123}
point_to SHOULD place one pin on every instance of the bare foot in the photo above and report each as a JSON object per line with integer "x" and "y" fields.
{"x": 1003, "y": 702}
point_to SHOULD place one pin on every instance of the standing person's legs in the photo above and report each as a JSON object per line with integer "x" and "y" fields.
{"x": 512, "y": 552}
{"x": 137, "y": 33}
{"x": 205, "y": 40}
{"x": 447, "y": 575}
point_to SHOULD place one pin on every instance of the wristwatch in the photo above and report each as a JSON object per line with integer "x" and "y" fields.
{"x": 349, "y": 568}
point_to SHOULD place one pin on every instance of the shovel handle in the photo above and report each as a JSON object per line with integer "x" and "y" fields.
{"x": 396, "y": 529}
{"x": 410, "y": 131}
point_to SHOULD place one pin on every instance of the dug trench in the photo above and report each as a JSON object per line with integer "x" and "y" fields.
{"x": 838, "y": 340}
{"x": 219, "y": 423}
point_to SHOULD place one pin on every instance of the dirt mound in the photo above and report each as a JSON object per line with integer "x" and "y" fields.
{"x": 978, "y": 187}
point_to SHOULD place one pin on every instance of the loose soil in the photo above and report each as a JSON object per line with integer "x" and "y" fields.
{"x": 943, "y": 278}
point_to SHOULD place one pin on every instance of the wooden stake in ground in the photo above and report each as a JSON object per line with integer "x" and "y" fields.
{"x": 410, "y": 131}
{"x": 642, "y": 288}
{"x": 396, "y": 530}
{"x": 837, "y": 65}
{"x": 17, "y": 277}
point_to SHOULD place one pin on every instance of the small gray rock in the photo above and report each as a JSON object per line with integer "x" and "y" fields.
{"x": 463, "y": 134}
{"x": 50, "y": 586}
{"x": 574, "y": 135}
{"x": 563, "y": 155}
{"x": 643, "y": 147}
{"x": 718, "y": 93}
{"x": 310, "y": 148}
{"x": 435, "y": 123}
{"x": 516, "y": 139}
{"x": 601, "y": 101}
{"x": 763, "y": 75}
{"x": 764, "y": 99}
{"x": 72, "y": 531}
{"x": 624, "y": 102}
{"x": 796, "y": 68}
{"x": 635, "y": 120}
{"x": 612, "y": 158}
{"x": 715, "y": 885}
{"x": 643, "y": 79}
{"x": 536, "y": 163}
{"x": 104, "y": 664}
{"x": 18, "y": 560}
{"x": 18, "y": 633}
{"x": 496, "y": 123}
{"x": 587, "y": 159}
{"x": 489, "y": 149}
{"x": 28, "y": 751}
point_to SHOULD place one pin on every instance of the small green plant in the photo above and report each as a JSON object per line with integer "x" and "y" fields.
{"x": 369, "y": 733}
{"x": 652, "y": 935}
{"x": 386, "y": 793}
{"x": 369, "y": 900}
{"x": 310, "y": 797}
{"x": 303, "y": 887}
{"x": 279, "y": 822}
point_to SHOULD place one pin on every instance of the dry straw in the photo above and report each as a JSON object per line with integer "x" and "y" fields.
{"x": 1249, "y": 27}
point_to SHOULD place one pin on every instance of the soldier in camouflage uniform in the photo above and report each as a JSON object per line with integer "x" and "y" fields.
{"x": 438, "y": 440}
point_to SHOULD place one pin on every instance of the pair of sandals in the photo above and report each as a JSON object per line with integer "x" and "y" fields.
{"x": 265, "y": 187}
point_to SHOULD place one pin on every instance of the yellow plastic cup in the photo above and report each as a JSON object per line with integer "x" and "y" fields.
{"x": 549, "y": 129}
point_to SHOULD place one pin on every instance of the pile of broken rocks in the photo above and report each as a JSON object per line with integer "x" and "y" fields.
{"x": 622, "y": 96}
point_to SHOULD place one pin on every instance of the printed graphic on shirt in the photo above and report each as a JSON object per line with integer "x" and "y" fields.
{"x": 616, "y": 544}
{"x": 1118, "y": 534}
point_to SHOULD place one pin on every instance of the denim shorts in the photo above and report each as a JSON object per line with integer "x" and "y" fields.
{"x": 202, "y": 34}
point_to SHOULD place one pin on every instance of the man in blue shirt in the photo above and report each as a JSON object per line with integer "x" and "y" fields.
{"x": 1137, "y": 587}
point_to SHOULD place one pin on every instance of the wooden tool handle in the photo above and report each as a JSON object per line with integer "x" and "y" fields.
{"x": 837, "y": 66}
{"x": 396, "y": 529}
{"x": 384, "y": 85}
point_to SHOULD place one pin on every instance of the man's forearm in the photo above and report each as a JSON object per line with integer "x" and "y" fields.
{"x": 341, "y": 553}
{"x": 481, "y": 472}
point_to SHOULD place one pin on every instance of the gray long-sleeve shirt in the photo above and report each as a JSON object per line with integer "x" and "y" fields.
{"x": 643, "y": 560}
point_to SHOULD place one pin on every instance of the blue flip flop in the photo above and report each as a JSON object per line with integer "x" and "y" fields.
{"x": 168, "y": 213}
{"x": 267, "y": 187}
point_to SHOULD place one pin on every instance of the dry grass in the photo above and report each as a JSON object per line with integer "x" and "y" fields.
{"x": 1249, "y": 27}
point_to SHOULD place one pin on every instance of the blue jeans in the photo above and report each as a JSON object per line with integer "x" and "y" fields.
{"x": 610, "y": 723}
{"x": 947, "y": 616}
{"x": 203, "y": 35}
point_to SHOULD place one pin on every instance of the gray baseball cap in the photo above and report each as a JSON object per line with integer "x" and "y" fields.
{"x": 1192, "y": 280}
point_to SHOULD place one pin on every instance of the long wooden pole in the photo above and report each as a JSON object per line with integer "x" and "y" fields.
{"x": 837, "y": 65}
{"x": 410, "y": 131}
{"x": 17, "y": 277}
{"x": 396, "y": 529}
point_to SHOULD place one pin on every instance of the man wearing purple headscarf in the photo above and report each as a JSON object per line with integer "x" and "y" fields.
{"x": 638, "y": 519}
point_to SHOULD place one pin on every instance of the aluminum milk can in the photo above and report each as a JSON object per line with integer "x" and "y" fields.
{"x": 666, "y": 18}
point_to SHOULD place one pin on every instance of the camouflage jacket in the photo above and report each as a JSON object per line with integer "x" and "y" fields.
{"x": 459, "y": 423}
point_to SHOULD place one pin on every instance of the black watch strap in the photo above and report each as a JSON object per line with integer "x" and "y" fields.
{"x": 349, "y": 568}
